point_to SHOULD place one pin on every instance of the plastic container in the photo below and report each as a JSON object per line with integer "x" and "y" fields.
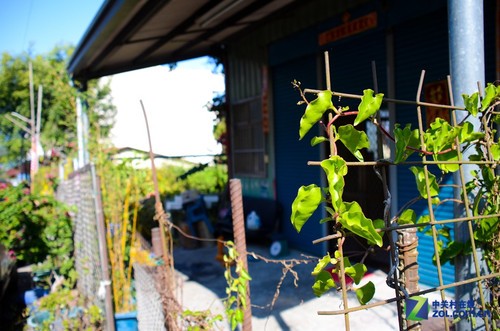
{"x": 33, "y": 295}
{"x": 126, "y": 321}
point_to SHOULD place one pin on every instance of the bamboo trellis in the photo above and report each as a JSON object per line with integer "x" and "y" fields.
{"x": 403, "y": 275}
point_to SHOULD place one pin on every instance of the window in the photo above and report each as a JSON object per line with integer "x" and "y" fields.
{"x": 248, "y": 139}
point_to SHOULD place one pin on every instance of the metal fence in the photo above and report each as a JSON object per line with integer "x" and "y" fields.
{"x": 80, "y": 191}
{"x": 77, "y": 191}
{"x": 149, "y": 304}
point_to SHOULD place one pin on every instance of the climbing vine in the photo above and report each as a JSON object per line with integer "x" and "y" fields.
{"x": 237, "y": 286}
{"x": 443, "y": 142}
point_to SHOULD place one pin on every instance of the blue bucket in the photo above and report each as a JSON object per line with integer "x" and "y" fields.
{"x": 126, "y": 321}
{"x": 33, "y": 295}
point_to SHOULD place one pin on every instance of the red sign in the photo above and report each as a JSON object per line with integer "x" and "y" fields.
{"x": 437, "y": 93}
{"x": 349, "y": 28}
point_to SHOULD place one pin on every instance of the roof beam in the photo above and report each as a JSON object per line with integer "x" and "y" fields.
{"x": 139, "y": 19}
{"x": 228, "y": 22}
{"x": 181, "y": 28}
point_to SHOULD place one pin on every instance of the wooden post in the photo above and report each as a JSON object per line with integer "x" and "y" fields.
{"x": 103, "y": 250}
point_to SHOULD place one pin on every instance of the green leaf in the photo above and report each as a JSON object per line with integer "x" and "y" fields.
{"x": 353, "y": 219}
{"x": 488, "y": 176}
{"x": 305, "y": 204}
{"x": 369, "y": 105}
{"x": 478, "y": 199}
{"x": 471, "y": 103}
{"x": 245, "y": 275}
{"x": 407, "y": 217}
{"x": 329, "y": 210}
{"x": 325, "y": 220}
{"x": 356, "y": 272}
{"x": 379, "y": 223}
{"x": 448, "y": 253}
{"x": 314, "y": 111}
{"x": 365, "y": 293}
{"x": 242, "y": 291}
{"x": 495, "y": 151}
{"x": 323, "y": 283}
{"x": 447, "y": 157}
{"x": 347, "y": 263}
{"x": 243, "y": 300}
{"x": 467, "y": 133}
{"x": 234, "y": 321}
{"x": 354, "y": 140}
{"x": 335, "y": 169}
{"x": 325, "y": 260}
{"x": 486, "y": 229}
{"x": 420, "y": 179}
{"x": 440, "y": 135}
{"x": 239, "y": 315}
{"x": 490, "y": 95}
{"x": 318, "y": 140}
{"x": 405, "y": 138}
{"x": 444, "y": 232}
{"x": 423, "y": 219}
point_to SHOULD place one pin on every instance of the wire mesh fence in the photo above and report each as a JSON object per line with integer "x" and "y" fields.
{"x": 149, "y": 303}
{"x": 77, "y": 191}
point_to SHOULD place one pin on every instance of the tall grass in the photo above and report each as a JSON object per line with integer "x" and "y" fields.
{"x": 121, "y": 192}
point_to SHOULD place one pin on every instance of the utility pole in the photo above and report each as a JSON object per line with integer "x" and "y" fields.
{"x": 31, "y": 125}
{"x": 34, "y": 154}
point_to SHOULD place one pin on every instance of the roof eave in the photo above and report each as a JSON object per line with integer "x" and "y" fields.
{"x": 110, "y": 15}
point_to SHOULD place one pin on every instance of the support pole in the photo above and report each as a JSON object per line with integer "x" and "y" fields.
{"x": 409, "y": 254}
{"x": 466, "y": 42}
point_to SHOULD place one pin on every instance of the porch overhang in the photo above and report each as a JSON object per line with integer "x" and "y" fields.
{"x": 128, "y": 34}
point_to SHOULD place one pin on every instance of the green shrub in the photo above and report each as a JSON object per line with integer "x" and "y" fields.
{"x": 37, "y": 228}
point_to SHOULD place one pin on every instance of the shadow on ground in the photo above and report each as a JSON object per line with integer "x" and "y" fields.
{"x": 295, "y": 307}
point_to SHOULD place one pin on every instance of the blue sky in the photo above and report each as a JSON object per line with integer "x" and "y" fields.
{"x": 42, "y": 24}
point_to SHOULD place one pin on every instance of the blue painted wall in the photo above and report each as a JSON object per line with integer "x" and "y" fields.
{"x": 421, "y": 44}
{"x": 291, "y": 154}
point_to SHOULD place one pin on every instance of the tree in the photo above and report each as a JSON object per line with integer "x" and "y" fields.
{"x": 218, "y": 106}
{"x": 58, "y": 123}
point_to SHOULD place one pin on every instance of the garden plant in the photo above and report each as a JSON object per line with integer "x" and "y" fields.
{"x": 443, "y": 145}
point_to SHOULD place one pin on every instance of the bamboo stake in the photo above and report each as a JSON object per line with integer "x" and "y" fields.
{"x": 428, "y": 191}
{"x": 133, "y": 236}
{"x": 166, "y": 239}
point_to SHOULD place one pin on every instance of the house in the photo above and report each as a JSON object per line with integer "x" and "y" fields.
{"x": 265, "y": 45}
{"x": 141, "y": 159}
